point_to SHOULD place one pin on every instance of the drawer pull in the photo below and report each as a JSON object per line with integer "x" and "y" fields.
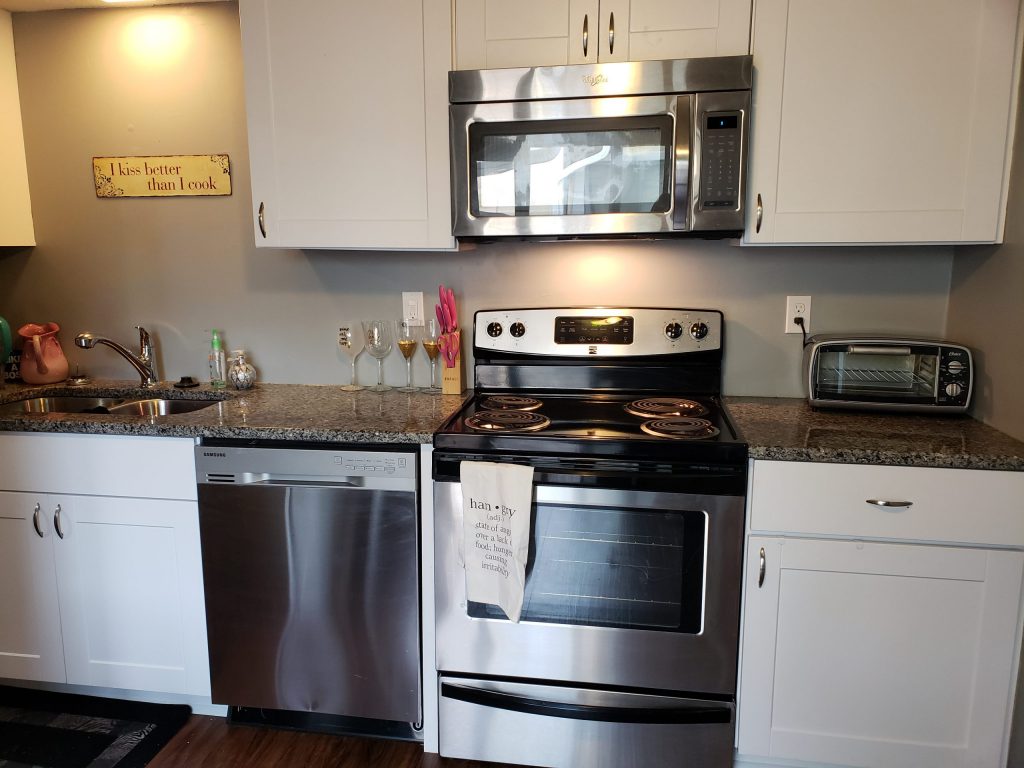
{"x": 760, "y": 573}
{"x": 890, "y": 504}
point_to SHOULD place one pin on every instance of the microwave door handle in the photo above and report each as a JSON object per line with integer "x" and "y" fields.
{"x": 866, "y": 349}
{"x": 681, "y": 196}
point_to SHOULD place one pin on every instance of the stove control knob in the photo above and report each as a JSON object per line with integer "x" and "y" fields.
{"x": 494, "y": 330}
{"x": 698, "y": 330}
{"x": 954, "y": 389}
{"x": 517, "y": 329}
{"x": 673, "y": 331}
{"x": 955, "y": 367}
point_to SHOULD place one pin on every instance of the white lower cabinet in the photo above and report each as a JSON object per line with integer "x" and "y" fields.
{"x": 102, "y": 590}
{"x": 874, "y": 652}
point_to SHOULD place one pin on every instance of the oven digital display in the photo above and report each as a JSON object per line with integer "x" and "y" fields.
{"x": 612, "y": 329}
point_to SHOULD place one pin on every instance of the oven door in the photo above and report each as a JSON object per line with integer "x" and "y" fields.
{"x": 891, "y": 373}
{"x": 623, "y": 588}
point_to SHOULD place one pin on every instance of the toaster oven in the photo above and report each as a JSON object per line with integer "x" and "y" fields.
{"x": 888, "y": 373}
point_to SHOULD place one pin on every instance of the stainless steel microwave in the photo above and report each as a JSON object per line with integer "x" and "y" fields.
{"x": 888, "y": 373}
{"x": 649, "y": 148}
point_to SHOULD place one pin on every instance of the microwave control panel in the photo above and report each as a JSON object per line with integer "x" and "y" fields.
{"x": 721, "y": 160}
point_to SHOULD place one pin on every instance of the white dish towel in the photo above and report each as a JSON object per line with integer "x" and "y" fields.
{"x": 496, "y": 501}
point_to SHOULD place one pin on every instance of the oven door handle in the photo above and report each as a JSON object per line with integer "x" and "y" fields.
{"x": 676, "y": 715}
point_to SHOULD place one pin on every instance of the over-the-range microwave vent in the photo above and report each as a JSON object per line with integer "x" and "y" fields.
{"x": 220, "y": 477}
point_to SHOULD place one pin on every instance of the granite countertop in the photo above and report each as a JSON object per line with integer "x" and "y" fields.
{"x": 267, "y": 412}
{"x": 788, "y": 429}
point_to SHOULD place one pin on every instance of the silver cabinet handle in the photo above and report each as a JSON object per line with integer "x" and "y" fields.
{"x": 35, "y": 521}
{"x": 56, "y": 522}
{"x": 262, "y": 221}
{"x": 760, "y": 211}
{"x": 890, "y": 504}
{"x": 611, "y": 32}
{"x": 760, "y": 572}
{"x": 586, "y": 33}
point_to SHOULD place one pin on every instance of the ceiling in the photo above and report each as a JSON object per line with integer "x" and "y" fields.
{"x": 18, "y": 6}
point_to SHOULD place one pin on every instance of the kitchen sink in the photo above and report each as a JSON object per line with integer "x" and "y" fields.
{"x": 68, "y": 404}
{"x": 158, "y": 406}
{"x": 122, "y": 406}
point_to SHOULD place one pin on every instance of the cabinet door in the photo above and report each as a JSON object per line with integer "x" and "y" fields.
{"x": 30, "y": 637}
{"x": 15, "y": 208}
{"x": 881, "y": 121}
{"x": 493, "y": 34}
{"x": 887, "y": 655}
{"x": 669, "y": 29}
{"x": 348, "y": 122}
{"x": 131, "y": 595}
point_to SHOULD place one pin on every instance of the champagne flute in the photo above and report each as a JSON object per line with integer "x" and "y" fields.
{"x": 352, "y": 343}
{"x": 431, "y": 333}
{"x": 407, "y": 342}
{"x": 378, "y": 344}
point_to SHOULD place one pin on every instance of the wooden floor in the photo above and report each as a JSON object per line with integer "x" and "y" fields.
{"x": 210, "y": 742}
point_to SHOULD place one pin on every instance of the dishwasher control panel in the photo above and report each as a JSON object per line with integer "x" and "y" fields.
{"x": 242, "y": 465}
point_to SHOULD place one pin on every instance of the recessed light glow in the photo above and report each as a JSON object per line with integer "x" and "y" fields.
{"x": 156, "y": 41}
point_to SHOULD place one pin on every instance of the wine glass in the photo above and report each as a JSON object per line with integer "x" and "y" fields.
{"x": 431, "y": 333}
{"x": 378, "y": 343}
{"x": 352, "y": 342}
{"x": 407, "y": 341}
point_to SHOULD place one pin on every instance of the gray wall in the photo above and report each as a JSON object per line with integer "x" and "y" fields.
{"x": 183, "y": 265}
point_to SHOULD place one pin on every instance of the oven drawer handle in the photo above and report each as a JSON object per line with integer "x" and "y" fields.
{"x": 692, "y": 715}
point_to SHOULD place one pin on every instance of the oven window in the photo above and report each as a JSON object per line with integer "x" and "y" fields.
{"x": 571, "y": 167}
{"x": 866, "y": 375}
{"x": 603, "y": 567}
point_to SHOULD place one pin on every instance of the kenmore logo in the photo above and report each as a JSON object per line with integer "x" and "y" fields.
{"x": 216, "y": 454}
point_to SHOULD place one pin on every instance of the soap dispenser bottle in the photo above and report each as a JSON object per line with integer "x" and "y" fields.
{"x": 218, "y": 365}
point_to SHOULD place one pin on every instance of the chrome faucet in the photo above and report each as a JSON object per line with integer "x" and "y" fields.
{"x": 144, "y": 362}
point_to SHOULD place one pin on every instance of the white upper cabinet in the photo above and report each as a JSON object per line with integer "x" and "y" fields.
{"x": 532, "y": 33}
{"x": 881, "y": 121}
{"x": 347, "y": 109}
{"x": 15, "y": 208}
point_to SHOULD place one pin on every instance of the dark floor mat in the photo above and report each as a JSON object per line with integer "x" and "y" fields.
{"x": 39, "y": 729}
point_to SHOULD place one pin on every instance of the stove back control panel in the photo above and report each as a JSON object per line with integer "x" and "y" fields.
{"x": 598, "y": 331}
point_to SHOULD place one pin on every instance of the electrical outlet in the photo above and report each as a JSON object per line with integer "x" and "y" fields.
{"x": 412, "y": 307}
{"x": 798, "y": 306}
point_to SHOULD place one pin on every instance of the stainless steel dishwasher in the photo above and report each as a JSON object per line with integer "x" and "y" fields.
{"x": 311, "y": 574}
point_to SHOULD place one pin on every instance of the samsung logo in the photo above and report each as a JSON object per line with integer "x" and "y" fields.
{"x": 216, "y": 454}
{"x": 595, "y": 80}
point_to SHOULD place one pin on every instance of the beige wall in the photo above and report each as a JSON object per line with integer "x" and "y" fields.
{"x": 183, "y": 265}
{"x": 986, "y": 312}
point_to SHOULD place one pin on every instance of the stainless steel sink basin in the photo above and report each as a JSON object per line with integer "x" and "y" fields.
{"x": 157, "y": 406}
{"x": 68, "y": 404}
{"x": 121, "y": 406}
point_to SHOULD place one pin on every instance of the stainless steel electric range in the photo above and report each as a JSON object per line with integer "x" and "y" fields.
{"x": 626, "y": 650}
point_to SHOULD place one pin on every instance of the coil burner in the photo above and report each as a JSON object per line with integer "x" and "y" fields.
{"x": 680, "y": 428}
{"x": 507, "y": 421}
{"x": 660, "y": 407}
{"x": 510, "y": 403}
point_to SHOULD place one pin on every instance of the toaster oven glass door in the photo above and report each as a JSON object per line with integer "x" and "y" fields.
{"x": 877, "y": 373}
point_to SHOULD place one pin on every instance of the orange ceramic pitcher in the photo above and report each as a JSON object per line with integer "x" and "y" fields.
{"x": 42, "y": 359}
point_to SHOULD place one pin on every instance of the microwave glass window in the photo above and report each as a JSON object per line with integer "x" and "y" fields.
{"x": 605, "y": 567}
{"x": 565, "y": 170}
{"x": 862, "y": 375}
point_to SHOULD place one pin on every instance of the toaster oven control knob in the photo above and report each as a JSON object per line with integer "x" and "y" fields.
{"x": 954, "y": 389}
{"x": 517, "y": 329}
{"x": 673, "y": 331}
{"x": 955, "y": 367}
{"x": 494, "y": 330}
{"x": 699, "y": 330}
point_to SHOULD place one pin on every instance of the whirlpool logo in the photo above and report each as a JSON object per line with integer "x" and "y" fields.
{"x": 595, "y": 80}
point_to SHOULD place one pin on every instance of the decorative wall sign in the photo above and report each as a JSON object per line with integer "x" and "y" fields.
{"x": 170, "y": 176}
